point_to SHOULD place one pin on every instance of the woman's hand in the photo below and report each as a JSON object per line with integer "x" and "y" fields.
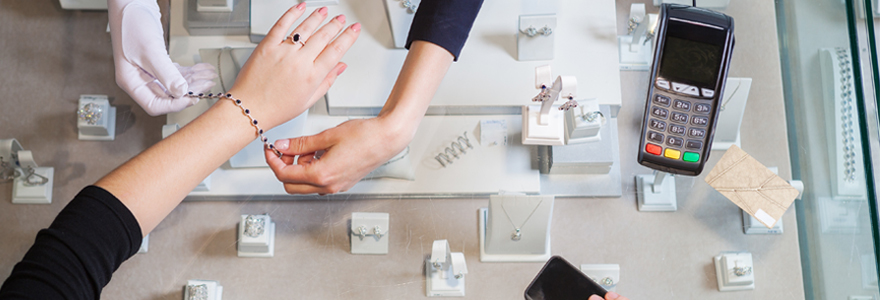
{"x": 609, "y": 296}
{"x": 282, "y": 79}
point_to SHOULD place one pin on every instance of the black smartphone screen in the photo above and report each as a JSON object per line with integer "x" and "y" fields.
{"x": 560, "y": 280}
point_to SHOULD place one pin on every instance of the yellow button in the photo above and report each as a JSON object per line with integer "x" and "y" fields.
{"x": 672, "y": 153}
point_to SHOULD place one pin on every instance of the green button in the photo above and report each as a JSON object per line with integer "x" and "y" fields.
{"x": 691, "y": 157}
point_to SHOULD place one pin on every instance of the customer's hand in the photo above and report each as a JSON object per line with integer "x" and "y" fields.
{"x": 351, "y": 151}
{"x": 609, "y": 296}
{"x": 143, "y": 68}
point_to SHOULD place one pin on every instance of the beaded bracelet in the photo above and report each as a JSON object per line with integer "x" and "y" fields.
{"x": 247, "y": 112}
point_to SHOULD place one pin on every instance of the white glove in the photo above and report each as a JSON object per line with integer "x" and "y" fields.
{"x": 143, "y": 68}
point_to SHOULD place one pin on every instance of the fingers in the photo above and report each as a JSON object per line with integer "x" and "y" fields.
{"x": 333, "y": 52}
{"x": 614, "y": 296}
{"x": 328, "y": 81}
{"x": 308, "y": 26}
{"x": 306, "y": 144}
{"x": 146, "y": 49}
{"x": 324, "y": 35}
{"x": 279, "y": 30}
{"x": 158, "y": 104}
{"x": 595, "y": 297}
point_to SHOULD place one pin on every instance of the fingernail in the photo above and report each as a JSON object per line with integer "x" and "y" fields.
{"x": 612, "y": 295}
{"x": 595, "y": 297}
{"x": 301, "y": 6}
{"x": 341, "y": 18}
{"x": 356, "y": 27}
{"x": 282, "y": 144}
{"x": 323, "y": 11}
{"x": 341, "y": 70}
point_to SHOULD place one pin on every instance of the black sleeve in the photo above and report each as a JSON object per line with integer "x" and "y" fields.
{"x": 444, "y": 22}
{"x": 75, "y": 257}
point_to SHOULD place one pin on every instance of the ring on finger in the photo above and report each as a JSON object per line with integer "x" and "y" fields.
{"x": 296, "y": 38}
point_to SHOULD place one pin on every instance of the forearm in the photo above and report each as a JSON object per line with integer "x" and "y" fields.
{"x": 423, "y": 70}
{"x": 154, "y": 182}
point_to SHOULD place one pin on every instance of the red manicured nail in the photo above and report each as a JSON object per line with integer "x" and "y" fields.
{"x": 323, "y": 11}
{"x": 356, "y": 27}
{"x": 341, "y": 70}
{"x": 341, "y": 18}
{"x": 301, "y": 6}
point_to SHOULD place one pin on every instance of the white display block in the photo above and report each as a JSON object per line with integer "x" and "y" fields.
{"x": 214, "y": 290}
{"x": 540, "y": 45}
{"x": 733, "y": 107}
{"x": 718, "y": 4}
{"x": 399, "y": 19}
{"x": 445, "y": 272}
{"x": 533, "y": 133}
{"x": 508, "y": 214}
{"x": 635, "y": 50}
{"x": 370, "y": 242}
{"x": 606, "y": 275}
{"x": 104, "y": 128}
{"x": 753, "y": 226}
{"x": 578, "y": 129}
{"x": 262, "y": 245}
{"x": 145, "y": 245}
{"x": 735, "y": 271}
{"x": 214, "y": 5}
{"x": 656, "y": 196}
{"x": 38, "y": 194}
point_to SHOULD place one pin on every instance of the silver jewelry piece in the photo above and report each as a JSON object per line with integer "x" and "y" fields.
{"x": 409, "y": 5}
{"x": 543, "y": 95}
{"x": 606, "y": 281}
{"x": 198, "y": 292}
{"x": 361, "y": 232}
{"x": 377, "y": 232}
{"x": 517, "y": 230}
{"x": 459, "y": 275}
{"x": 592, "y": 116}
{"x": 516, "y": 235}
{"x": 632, "y": 24}
{"x": 34, "y": 179}
{"x": 8, "y": 172}
{"x": 742, "y": 271}
{"x": 531, "y": 31}
{"x": 571, "y": 103}
{"x": 247, "y": 112}
{"x": 296, "y": 38}
{"x": 254, "y": 226}
{"x": 90, "y": 113}
{"x": 450, "y": 153}
{"x": 546, "y": 30}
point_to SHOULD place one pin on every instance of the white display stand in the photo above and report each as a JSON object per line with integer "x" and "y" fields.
{"x": 496, "y": 228}
{"x": 734, "y": 271}
{"x": 717, "y": 4}
{"x": 544, "y": 124}
{"x": 84, "y": 4}
{"x": 636, "y": 50}
{"x": 445, "y": 271}
{"x": 535, "y": 38}
{"x": 606, "y": 275}
{"x": 369, "y": 233}
{"x": 656, "y": 192}
{"x": 733, "y": 106}
{"x": 24, "y": 192}
{"x": 214, "y": 5}
{"x": 212, "y": 289}
{"x": 753, "y": 226}
{"x": 399, "y": 19}
{"x": 102, "y": 129}
{"x": 262, "y": 245}
{"x": 145, "y": 245}
{"x": 584, "y": 122}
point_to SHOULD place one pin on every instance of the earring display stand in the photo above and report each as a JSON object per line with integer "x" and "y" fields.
{"x": 26, "y": 193}
{"x": 212, "y": 290}
{"x": 370, "y": 242}
{"x": 656, "y": 192}
{"x": 533, "y": 41}
{"x": 606, "y": 275}
{"x": 530, "y": 214}
{"x": 262, "y": 245}
{"x": 399, "y": 19}
{"x": 733, "y": 107}
{"x": 104, "y": 127}
{"x": 445, "y": 271}
{"x": 734, "y": 271}
{"x": 635, "y": 50}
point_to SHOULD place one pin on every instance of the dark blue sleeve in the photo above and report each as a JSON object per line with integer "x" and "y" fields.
{"x": 75, "y": 257}
{"x": 446, "y": 23}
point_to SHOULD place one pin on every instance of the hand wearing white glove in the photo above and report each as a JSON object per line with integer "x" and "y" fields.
{"x": 143, "y": 68}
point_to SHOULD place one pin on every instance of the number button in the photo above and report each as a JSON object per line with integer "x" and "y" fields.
{"x": 655, "y": 136}
{"x": 702, "y": 108}
{"x": 662, "y": 100}
{"x": 696, "y": 145}
{"x": 679, "y": 118}
{"x": 697, "y": 133}
{"x": 676, "y": 130}
{"x": 660, "y": 113}
{"x": 681, "y": 105}
{"x": 659, "y": 125}
{"x": 674, "y": 141}
{"x": 700, "y": 121}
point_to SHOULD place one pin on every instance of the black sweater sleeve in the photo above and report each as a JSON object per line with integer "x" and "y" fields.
{"x": 446, "y": 23}
{"x": 75, "y": 257}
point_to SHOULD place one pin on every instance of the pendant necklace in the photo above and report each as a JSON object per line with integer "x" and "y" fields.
{"x": 517, "y": 230}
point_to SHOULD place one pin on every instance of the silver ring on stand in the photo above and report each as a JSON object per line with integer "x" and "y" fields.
{"x": 34, "y": 179}
{"x": 197, "y": 292}
{"x": 90, "y": 113}
{"x": 254, "y": 226}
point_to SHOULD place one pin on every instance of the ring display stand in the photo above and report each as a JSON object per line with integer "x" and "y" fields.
{"x": 542, "y": 124}
{"x": 369, "y": 233}
{"x": 734, "y": 271}
{"x": 733, "y": 107}
{"x": 533, "y": 216}
{"x": 535, "y": 38}
{"x": 261, "y": 245}
{"x": 656, "y": 192}
{"x": 636, "y": 49}
{"x": 583, "y": 123}
{"x": 202, "y": 289}
{"x": 33, "y": 185}
{"x": 445, "y": 271}
{"x": 102, "y": 126}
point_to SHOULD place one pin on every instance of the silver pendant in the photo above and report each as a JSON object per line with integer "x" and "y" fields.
{"x": 516, "y": 235}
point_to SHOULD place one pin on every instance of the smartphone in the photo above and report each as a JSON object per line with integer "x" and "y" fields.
{"x": 560, "y": 280}
{"x": 692, "y": 53}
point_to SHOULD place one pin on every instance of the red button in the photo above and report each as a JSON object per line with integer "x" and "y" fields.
{"x": 653, "y": 149}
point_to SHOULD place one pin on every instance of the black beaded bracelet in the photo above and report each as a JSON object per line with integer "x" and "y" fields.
{"x": 247, "y": 112}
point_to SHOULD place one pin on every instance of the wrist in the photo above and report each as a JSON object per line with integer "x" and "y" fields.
{"x": 400, "y": 128}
